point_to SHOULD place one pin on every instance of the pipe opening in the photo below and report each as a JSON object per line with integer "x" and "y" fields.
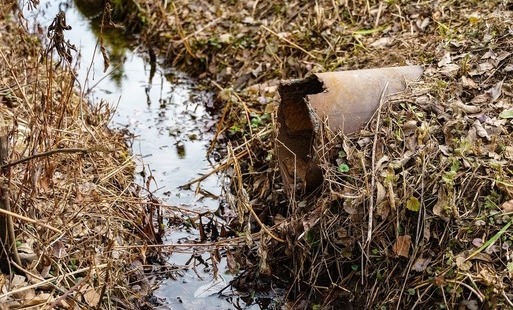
{"x": 297, "y": 133}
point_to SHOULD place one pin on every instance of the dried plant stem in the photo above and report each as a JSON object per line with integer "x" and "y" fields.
{"x": 44, "y": 154}
{"x": 470, "y": 288}
{"x": 289, "y": 42}
{"x": 51, "y": 280}
{"x": 8, "y": 233}
{"x": 221, "y": 167}
{"x": 244, "y": 201}
{"x": 29, "y": 220}
{"x": 373, "y": 171}
{"x": 181, "y": 32}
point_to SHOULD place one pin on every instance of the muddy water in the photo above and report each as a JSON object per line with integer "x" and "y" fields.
{"x": 166, "y": 115}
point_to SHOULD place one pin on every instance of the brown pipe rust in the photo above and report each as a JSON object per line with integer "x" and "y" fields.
{"x": 346, "y": 101}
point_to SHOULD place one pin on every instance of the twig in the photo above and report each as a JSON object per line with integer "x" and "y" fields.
{"x": 8, "y": 235}
{"x": 478, "y": 294}
{"x": 181, "y": 32}
{"x": 56, "y": 279}
{"x": 230, "y": 242}
{"x": 47, "y": 153}
{"x": 507, "y": 299}
{"x": 32, "y": 221}
{"x": 373, "y": 171}
{"x": 215, "y": 170}
{"x": 245, "y": 202}
{"x": 289, "y": 42}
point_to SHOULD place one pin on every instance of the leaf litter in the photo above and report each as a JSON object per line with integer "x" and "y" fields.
{"x": 445, "y": 139}
{"x": 76, "y": 211}
{"x": 445, "y": 179}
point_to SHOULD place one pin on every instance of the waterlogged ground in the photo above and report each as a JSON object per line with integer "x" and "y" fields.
{"x": 166, "y": 116}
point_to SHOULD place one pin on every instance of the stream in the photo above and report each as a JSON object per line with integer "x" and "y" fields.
{"x": 171, "y": 130}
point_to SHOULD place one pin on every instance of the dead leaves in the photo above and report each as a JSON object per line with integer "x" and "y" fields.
{"x": 91, "y": 295}
{"x": 15, "y": 293}
{"x": 402, "y": 246}
{"x": 507, "y": 206}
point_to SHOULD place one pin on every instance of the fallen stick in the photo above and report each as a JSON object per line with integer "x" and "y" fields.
{"x": 29, "y": 220}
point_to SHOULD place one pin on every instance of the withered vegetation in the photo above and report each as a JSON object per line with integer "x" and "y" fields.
{"x": 80, "y": 230}
{"x": 434, "y": 169}
{"x": 415, "y": 210}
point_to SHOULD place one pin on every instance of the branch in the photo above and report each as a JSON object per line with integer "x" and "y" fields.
{"x": 47, "y": 153}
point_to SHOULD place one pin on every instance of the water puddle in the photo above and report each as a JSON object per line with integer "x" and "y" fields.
{"x": 171, "y": 128}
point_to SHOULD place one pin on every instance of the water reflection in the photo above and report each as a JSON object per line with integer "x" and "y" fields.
{"x": 114, "y": 41}
{"x": 167, "y": 117}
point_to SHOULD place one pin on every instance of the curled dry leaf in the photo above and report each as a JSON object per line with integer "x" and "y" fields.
{"x": 458, "y": 106}
{"x": 39, "y": 299}
{"x": 480, "y": 130}
{"x": 485, "y": 257}
{"x": 469, "y": 83}
{"x": 446, "y": 59}
{"x": 382, "y": 42}
{"x": 26, "y": 252}
{"x": 450, "y": 70}
{"x": 402, "y": 246}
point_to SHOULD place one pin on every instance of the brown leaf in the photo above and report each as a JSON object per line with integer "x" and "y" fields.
{"x": 402, "y": 246}
{"x": 481, "y": 99}
{"x": 442, "y": 205}
{"x": 92, "y": 298}
{"x": 507, "y": 206}
{"x": 446, "y": 59}
{"x": 462, "y": 263}
{"x": 480, "y": 130}
{"x": 39, "y": 299}
{"x": 59, "y": 249}
{"x": 496, "y": 91}
{"x": 469, "y": 83}
{"x": 460, "y": 106}
{"x": 421, "y": 264}
{"x": 383, "y": 206}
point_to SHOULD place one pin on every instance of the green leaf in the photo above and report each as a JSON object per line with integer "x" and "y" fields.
{"x": 411, "y": 291}
{"x": 506, "y": 114}
{"x": 343, "y": 168}
{"x": 367, "y": 31}
{"x": 413, "y": 204}
{"x": 510, "y": 266}
{"x": 491, "y": 241}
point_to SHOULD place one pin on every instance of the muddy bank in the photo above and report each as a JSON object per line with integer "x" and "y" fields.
{"x": 80, "y": 230}
{"x": 415, "y": 209}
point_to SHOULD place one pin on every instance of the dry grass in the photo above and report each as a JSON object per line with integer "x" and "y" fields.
{"x": 82, "y": 229}
{"x": 434, "y": 172}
